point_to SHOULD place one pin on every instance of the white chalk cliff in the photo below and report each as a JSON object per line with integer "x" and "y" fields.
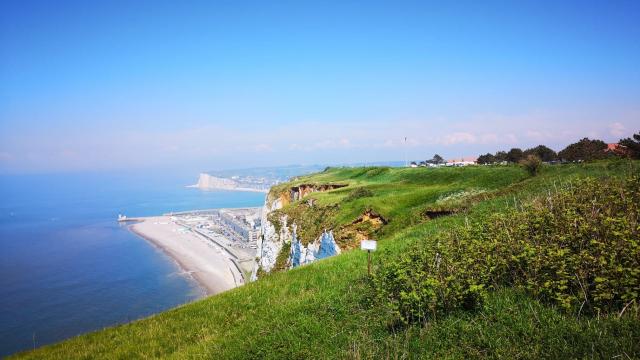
{"x": 206, "y": 181}
{"x": 324, "y": 246}
{"x": 272, "y": 242}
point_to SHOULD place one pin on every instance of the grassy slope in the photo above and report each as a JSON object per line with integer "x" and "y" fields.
{"x": 321, "y": 310}
{"x": 399, "y": 195}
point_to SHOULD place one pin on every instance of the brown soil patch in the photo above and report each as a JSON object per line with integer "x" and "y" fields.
{"x": 372, "y": 217}
{"x": 364, "y": 227}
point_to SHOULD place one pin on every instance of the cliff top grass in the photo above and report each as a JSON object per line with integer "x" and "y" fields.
{"x": 399, "y": 195}
{"x": 325, "y": 309}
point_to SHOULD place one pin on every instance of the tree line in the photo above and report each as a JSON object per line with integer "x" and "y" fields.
{"x": 584, "y": 150}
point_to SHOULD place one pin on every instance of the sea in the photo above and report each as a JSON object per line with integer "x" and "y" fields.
{"x": 67, "y": 267}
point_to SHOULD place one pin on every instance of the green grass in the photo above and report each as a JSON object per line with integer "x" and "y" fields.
{"x": 323, "y": 310}
{"x": 399, "y": 195}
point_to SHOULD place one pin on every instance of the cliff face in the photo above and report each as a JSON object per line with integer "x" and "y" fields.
{"x": 210, "y": 182}
{"x": 324, "y": 246}
{"x": 206, "y": 181}
{"x": 278, "y": 231}
{"x": 272, "y": 240}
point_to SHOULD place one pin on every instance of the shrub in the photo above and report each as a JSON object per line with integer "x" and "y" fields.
{"x": 358, "y": 193}
{"x": 426, "y": 282}
{"x": 578, "y": 248}
{"x": 631, "y": 146}
{"x": 532, "y": 164}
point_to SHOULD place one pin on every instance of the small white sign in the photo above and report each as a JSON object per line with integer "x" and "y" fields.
{"x": 368, "y": 245}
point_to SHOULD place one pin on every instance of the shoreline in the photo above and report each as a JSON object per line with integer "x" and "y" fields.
{"x": 167, "y": 252}
{"x": 202, "y": 260}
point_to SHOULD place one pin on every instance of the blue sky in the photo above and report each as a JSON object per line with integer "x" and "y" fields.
{"x": 190, "y": 86}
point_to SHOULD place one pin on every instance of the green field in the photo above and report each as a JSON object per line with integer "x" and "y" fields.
{"x": 327, "y": 309}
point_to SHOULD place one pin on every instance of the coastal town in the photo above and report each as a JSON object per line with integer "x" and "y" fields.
{"x": 216, "y": 247}
{"x": 237, "y": 229}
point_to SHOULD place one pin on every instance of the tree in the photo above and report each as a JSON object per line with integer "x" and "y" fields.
{"x": 437, "y": 159}
{"x": 584, "y": 150}
{"x": 544, "y": 153}
{"x": 632, "y": 146}
{"x": 486, "y": 159}
{"x": 514, "y": 155}
{"x": 532, "y": 164}
{"x": 500, "y": 156}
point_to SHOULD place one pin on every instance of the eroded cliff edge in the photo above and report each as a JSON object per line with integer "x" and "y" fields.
{"x": 297, "y": 229}
{"x": 281, "y": 246}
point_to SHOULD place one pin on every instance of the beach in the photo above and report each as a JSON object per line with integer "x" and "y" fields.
{"x": 209, "y": 264}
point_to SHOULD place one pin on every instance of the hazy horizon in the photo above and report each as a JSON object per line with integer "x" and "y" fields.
{"x": 163, "y": 86}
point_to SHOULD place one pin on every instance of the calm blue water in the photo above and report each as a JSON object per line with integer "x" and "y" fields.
{"x": 67, "y": 267}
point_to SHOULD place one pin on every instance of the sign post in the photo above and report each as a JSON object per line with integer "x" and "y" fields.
{"x": 369, "y": 245}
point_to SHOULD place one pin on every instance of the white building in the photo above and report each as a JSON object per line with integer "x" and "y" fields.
{"x": 464, "y": 161}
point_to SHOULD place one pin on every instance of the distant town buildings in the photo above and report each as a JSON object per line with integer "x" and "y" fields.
{"x": 233, "y": 227}
{"x": 463, "y": 161}
{"x": 245, "y": 223}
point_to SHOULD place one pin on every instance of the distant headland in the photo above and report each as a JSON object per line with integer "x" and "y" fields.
{"x": 210, "y": 182}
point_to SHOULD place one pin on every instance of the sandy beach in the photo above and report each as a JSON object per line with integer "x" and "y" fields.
{"x": 209, "y": 264}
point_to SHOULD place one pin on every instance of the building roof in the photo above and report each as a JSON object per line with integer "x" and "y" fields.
{"x": 615, "y": 148}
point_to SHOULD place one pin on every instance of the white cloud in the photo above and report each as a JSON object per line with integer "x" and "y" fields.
{"x": 470, "y": 138}
{"x": 617, "y": 129}
{"x": 511, "y": 138}
{"x": 263, "y": 148}
{"x": 489, "y": 138}
{"x": 323, "y": 144}
{"x": 457, "y": 138}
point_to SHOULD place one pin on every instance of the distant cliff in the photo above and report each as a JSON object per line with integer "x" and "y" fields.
{"x": 210, "y": 182}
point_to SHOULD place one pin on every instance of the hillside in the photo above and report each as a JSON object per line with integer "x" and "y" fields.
{"x": 329, "y": 308}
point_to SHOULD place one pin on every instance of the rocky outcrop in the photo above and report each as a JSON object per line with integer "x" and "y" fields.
{"x": 271, "y": 240}
{"x": 279, "y": 230}
{"x": 324, "y": 246}
{"x": 362, "y": 228}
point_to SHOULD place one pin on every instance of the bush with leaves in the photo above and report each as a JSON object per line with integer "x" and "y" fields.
{"x": 515, "y": 155}
{"x": 532, "y": 164}
{"x": 543, "y": 152}
{"x": 578, "y": 248}
{"x": 486, "y": 159}
{"x": 631, "y": 146}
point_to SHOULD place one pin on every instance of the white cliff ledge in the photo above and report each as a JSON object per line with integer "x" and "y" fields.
{"x": 283, "y": 231}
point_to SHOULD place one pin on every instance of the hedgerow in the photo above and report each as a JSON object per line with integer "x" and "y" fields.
{"x": 577, "y": 248}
